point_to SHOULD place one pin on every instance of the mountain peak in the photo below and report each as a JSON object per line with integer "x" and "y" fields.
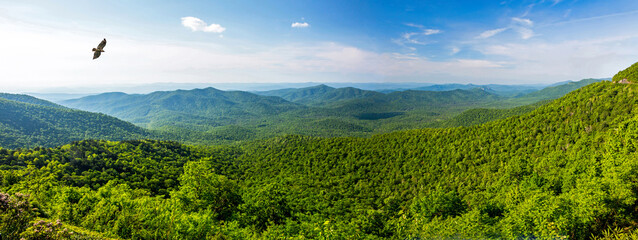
{"x": 208, "y": 89}
{"x": 321, "y": 86}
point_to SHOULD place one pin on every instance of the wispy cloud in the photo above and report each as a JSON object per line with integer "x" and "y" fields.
{"x": 528, "y": 9}
{"x": 455, "y": 50}
{"x": 525, "y": 33}
{"x": 556, "y": 2}
{"x": 523, "y": 26}
{"x": 414, "y": 25}
{"x": 491, "y": 33}
{"x": 416, "y": 37}
{"x": 196, "y": 24}
{"x": 428, "y": 32}
{"x": 523, "y": 21}
{"x": 300, "y": 25}
{"x": 593, "y": 18}
{"x": 408, "y": 38}
{"x": 567, "y": 13}
{"x": 424, "y": 31}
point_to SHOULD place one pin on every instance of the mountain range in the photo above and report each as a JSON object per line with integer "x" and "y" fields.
{"x": 211, "y": 116}
{"x": 276, "y": 111}
{"x": 498, "y": 89}
{"x": 317, "y": 111}
{"x": 320, "y": 94}
{"x": 208, "y": 107}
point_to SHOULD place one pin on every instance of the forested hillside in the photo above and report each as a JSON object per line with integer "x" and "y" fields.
{"x": 478, "y": 116}
{"x": 551, "y": 92}
{"x": 47, "y": 124}
{"x": 190, "y": 109}
{"x": 28, "y": 99}
{"x": 212, "y": 116}
{"x": 563, "y": 170}
{"x": 319, "y": 95}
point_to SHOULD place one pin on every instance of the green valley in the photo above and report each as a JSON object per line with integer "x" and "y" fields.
{"x": 562, "y": 169}
{"x": 210, "y": 116}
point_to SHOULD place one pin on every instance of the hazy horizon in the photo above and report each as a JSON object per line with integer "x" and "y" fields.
{"x": 250, "y": 87}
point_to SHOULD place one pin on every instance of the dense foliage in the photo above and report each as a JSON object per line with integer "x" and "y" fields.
{"x": 18, "y": 221}
{"x": 46, "y": 124}
{"x": 478, "y": 116}
{"x": 564, "y": 170}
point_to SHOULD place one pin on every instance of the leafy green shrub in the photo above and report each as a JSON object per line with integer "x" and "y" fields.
{"x": 44, "y": 230}
{"x": 202, "y": 189}
{"x": 265, "y": 206}
{"x": 15, "y": 214}
{"x": 439, "y": 203}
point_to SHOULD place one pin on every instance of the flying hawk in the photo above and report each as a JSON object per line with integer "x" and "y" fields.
{"x": 100, "y": 48}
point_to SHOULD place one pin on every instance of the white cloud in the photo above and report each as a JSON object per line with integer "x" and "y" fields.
{"x": 414, "y": 25}
{"x": 491, "y": 33}
{"x": 196, "y": 24}
{"x": 600, "y": 17}
{"x": 523, "y": 21}
{"x": 424, "y": 31}
{"x": 525, "y": 33}
{"x": 416, "y": 37}
{"x": 455, "y": 50}
{"x": 427, "y": 32}
{"x": 300, "y": 25}
{"x": 407, "y": 38}
{"x": 523, "y": 27}
{"x": 408, "y": 35}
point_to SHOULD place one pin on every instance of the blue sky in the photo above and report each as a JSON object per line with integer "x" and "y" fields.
{"x": 45, "y": 43}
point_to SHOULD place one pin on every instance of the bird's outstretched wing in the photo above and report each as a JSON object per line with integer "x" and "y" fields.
{"x": 101, "y": 45}
{"x": 96, "y": 54}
